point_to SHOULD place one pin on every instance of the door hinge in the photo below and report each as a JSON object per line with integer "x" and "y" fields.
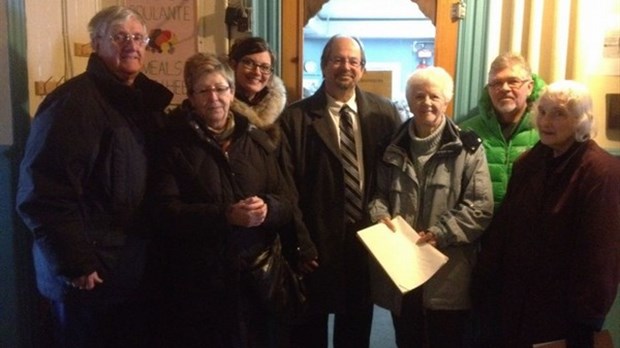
{"x": 457, "y": 11}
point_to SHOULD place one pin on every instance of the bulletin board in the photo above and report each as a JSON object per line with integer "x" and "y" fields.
{"x": 172, "y": 26}
{"x": 378, "y": 82}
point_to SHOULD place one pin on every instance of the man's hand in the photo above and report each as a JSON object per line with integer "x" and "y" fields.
{"x": 86, "y": 282}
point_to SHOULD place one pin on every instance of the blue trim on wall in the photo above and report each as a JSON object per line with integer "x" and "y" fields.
{"x": 267, "y": 16}
{"x": 20, "y": 306}
{"x": 8, "y": 277}
{"x": 471, "y": 59}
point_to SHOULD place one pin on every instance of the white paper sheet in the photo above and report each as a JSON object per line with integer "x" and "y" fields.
{"x": 409, "y": 265}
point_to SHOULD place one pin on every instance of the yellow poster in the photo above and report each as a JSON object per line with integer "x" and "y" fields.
{"x": 172, "y": 26}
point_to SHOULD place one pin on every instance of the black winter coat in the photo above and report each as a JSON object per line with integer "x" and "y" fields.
{"x": 197, "y": 184}
{"x": 83, "y": 179}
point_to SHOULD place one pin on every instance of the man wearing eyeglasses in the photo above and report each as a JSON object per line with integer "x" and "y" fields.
{"x": 332, "y": 140}
{"x": 503, "y": 121}
{"x": 82, "y": 183}
{"x": 502, "y": 118}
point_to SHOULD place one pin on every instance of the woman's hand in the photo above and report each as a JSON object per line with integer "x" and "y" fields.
{"x": 388, "y": 222}
{"x": 308, "y": 266}
{"x": 427, "y": 237}
{"x": 249, "y": 212}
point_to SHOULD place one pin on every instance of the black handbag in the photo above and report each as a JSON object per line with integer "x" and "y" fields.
{"x": 278, "y": 286}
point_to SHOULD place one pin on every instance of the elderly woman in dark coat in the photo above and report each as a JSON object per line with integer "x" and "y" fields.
{"x": 552, "y": 254}
{"x": 223, "y": 199}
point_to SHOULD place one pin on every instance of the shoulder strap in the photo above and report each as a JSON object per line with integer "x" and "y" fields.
{"x": 471, "y": 140}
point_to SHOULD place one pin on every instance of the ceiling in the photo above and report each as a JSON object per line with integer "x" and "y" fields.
{"x": 370, "y": 9}
{"x": 367, "y": 19}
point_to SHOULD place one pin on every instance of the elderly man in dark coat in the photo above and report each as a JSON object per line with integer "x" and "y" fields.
{"x": 82, "y": 186}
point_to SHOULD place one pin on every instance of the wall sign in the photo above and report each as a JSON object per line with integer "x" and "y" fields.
{"x": 172, "y": 26}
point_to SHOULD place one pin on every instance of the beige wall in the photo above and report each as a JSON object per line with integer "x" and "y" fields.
{"x": 563, "y": 39}
{"x": 52, "y": 38}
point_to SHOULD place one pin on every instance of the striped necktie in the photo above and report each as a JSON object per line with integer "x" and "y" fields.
{"x": 352, "y": 191}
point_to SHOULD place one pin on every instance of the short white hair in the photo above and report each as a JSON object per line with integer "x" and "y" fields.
{"x": 432, "y": 75}
{"x": 576, "y": 99}
{"x": 104, "y": 20}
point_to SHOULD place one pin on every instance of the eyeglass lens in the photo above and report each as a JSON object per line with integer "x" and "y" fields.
{"x": 252, "y": 65}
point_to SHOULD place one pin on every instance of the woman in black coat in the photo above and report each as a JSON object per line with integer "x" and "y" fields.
{"x": 222, "y": 199}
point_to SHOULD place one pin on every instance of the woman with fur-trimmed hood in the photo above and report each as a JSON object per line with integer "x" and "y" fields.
{"x": 260, "y": 95}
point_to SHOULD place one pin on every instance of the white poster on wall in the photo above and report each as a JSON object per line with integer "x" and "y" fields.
{"x": 610, "y": 63}
{"x": 172, "y": 26}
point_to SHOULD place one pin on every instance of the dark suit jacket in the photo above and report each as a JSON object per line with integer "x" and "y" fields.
{"x": 313, "y": 154}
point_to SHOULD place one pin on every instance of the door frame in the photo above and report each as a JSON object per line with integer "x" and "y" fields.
{"x": 446, "y": 44}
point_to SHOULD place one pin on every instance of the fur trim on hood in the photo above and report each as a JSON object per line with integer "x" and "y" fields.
{"x": 265, "y": 114}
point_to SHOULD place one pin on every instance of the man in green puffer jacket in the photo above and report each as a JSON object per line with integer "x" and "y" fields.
{"x": 503, "y": 121}
{"x": 502, "y": 118}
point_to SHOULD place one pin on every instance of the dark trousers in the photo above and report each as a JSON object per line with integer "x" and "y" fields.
{"x": 483, "y": 328}
{"x": 126, "y": 324}
{"x": 417, "y": 327}
{"x": 351, "y": 329}
{"x": 259, "y": 327}
{"x": 353, "y": 323}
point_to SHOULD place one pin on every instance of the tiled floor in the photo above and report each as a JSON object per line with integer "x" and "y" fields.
{"x": 382, "y": 334}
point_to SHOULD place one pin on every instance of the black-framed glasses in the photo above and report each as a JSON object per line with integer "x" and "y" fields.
{"x": 339, "y": 61}
{"x": 513, "y": 83}
{"x": 122, "y": 38}
{"x": 250, "y": 65}
{"x": 219, "y": 90}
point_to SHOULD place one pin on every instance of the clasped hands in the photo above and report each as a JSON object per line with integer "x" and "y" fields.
{"x": 248, "y": 212}
{"x": 425, "y": 236}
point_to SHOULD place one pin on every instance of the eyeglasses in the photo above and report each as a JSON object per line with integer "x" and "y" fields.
{"x": 219, "y": 90}
{"x": 513, "y": 83}
{"x": 339, "y": 61}
{"x": 122, "y": 38}
{"x": 250, "y": 65}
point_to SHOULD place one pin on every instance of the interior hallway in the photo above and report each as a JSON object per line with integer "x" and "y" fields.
{"x": 382, "y": 334}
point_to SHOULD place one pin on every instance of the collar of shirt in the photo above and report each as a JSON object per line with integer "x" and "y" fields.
{"x": 333, "y": 108}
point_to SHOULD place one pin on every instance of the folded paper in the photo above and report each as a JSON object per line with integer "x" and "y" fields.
{"x": 404, "y": 265}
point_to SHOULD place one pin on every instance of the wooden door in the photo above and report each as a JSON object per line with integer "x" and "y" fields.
{"x": 293, "y": 15}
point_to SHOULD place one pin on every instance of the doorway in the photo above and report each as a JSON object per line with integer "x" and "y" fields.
{"x": 398, "y": 39}
{"x": 295, "y": 17}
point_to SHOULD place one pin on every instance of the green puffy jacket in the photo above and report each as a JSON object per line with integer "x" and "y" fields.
{"x": 501, "y": 153}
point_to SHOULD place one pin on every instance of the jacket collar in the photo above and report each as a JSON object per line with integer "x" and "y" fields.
{"x": 188, "y": 120}
{"x": 450, "y": 144}
{"x": 266, "y": 112}
{"x": 145, "y": 93}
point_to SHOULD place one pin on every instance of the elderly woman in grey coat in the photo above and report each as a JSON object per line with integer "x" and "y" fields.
{"x": 435, "y": 177}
